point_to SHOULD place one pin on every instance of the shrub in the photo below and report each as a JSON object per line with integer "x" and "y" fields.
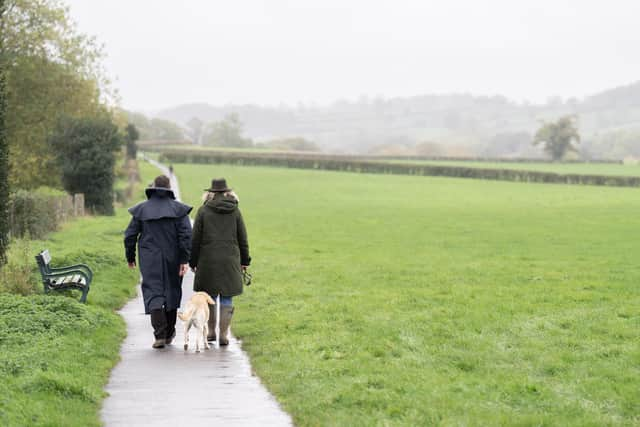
{"x": 17, "y": 275}
{"x": 36, "y": 213}
{"x": 31, "y": 215}
{"x": 86, "y": 148}
{"x": 4, "y": 167}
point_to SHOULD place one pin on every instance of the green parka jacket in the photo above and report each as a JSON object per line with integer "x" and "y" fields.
{"x": 219, "y": 247}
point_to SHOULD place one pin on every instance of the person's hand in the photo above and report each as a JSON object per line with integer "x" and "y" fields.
{"x": 132, "y": 265}
{"x": 244, "y": 267}
{"x": 183, "y": 269}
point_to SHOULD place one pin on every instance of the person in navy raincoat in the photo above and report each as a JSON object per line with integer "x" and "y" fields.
{"x": 162, "y": 230}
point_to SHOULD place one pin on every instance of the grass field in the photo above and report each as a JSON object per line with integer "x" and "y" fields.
{"x": 399, "y": 300}
{"x": 55, "y": 353}
{"x": 615, "y": 169}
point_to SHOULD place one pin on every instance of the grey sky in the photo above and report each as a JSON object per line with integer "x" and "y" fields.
{"x": 165, "y": 52}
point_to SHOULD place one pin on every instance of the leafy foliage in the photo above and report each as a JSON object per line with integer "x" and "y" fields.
{"x": 86, "y": 150}
{"x": 4, "y": 157}
{"x": 52, "y": 71}
{"x": 131, "y": 136}
{"x": 558, "y": 137}
{"x": 17, "y": 276}
{"x": 35, "y": 213}
{"x": 155, "y": 129}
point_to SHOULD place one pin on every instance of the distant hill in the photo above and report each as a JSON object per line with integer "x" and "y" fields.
{"x": 457, "y": 123}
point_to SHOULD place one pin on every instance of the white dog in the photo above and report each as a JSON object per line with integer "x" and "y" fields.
{"x": 196, "y": 314}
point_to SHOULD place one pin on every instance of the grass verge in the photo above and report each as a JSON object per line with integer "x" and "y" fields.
{"x": 55, "y": 353}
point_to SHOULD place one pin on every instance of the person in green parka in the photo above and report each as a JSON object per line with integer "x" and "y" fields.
{"x": 219, "y": 253}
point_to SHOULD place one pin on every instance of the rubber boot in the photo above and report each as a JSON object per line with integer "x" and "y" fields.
{"x": 159, "y": 323}
{"x": 226, "y": 313}
{"x": 171, "y": 325}
{"x": 211, "y": 324}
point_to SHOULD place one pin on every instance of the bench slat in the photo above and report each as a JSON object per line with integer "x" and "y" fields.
{"x": 76, "y": 278}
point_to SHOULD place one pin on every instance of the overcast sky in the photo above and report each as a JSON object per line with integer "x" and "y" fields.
{"x": 168, "y": 52}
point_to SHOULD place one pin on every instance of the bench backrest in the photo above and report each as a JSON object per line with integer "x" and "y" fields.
{"x": 44, "y": 259}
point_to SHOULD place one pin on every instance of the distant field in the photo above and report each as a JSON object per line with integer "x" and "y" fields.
{"x": 205, "y": 148}
{"x": 560, "y": 168}
{"x": 400, "y": 300}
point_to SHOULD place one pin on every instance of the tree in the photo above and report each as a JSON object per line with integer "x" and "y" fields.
{"x": 131, "y": 136}
{"x": 227, "y": 133}
{"x": 52, "y": 71}
{"x": 4, "y": 160}
{"x": 86, "y": 149}
{"x": 558, "y": 137}
{"x": 155, "y": 129}
{"x": 165, "y": 130}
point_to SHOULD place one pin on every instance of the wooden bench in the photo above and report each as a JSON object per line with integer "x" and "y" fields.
{"x": 72, "y": 277}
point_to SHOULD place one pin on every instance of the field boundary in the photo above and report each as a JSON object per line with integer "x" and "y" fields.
{"x": 360, "y": 165}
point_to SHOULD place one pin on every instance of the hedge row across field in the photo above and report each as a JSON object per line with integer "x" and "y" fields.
{"x": 353, "y": 164}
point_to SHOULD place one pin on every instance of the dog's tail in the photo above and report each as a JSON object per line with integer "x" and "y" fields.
{"x": 210, "y": 300}
{"x": 186, "y": 315}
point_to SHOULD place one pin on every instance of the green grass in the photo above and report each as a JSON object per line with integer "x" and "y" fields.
{"x": 55, "y": 353}
{"x": 614, "y": 169}
{"x": 400, "y": 300}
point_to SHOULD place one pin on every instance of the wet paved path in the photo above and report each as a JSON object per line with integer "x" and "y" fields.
{"x": 171, "y": 387}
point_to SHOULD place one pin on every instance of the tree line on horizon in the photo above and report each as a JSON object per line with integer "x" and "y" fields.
{"x": 460, "y": 125}
{"x": 225, "y": 133}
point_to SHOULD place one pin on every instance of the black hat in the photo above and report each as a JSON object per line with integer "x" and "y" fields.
{"x": 218, "y": 185}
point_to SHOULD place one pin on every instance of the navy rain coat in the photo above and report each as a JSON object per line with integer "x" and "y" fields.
{"x": 162, "y": 229}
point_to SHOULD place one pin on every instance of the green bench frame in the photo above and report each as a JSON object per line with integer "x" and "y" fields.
{"x": 77, "y": 276}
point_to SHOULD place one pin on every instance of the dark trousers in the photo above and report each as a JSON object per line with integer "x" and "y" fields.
{"x": 164, "y": 323}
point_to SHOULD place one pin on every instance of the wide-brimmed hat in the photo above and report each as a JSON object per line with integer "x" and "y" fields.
{"x": 218, "y": 185}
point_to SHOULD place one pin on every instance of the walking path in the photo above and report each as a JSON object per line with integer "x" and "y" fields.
{"x": 171, "y": 387}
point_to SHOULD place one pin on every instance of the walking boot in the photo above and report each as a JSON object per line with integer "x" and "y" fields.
{"x": 226, "y": 313}
{"x": 171, "y": 325}
{"x": 211, "y": 324}
{"x": 159, "y": 323}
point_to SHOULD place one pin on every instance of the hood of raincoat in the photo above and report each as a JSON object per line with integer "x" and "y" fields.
{"x": 223, "y": 205}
